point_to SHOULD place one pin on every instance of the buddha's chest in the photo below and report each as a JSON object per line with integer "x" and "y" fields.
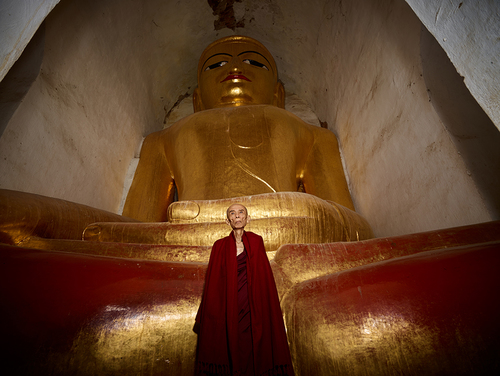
{"x": 226, "y": 137}
{"x": 238, "y": 154}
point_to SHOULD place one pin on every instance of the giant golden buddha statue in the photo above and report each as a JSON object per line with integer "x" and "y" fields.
{"x": 239, "y": 145}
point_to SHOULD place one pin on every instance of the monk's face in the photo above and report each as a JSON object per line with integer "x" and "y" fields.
{"x": 236, "y": 72}
{"x": 237, "y": 216}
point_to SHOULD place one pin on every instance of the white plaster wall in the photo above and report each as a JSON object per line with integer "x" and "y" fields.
{"x": 19, "y": 20}
{"x": 469, "y": 32}
{"x": 109, "y": 69}
{"x": 405, "y": 172}
{"x": 113, "y": 68}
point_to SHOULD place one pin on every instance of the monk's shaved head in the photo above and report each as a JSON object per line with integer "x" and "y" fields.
{"x": 233, "y": 206}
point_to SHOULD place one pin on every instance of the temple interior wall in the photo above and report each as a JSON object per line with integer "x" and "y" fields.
{"x": 100, "y": 75}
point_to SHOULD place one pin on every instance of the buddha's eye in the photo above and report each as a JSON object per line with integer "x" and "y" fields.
{"x": 256, "y": 63}
{"x": 216, "y": 65}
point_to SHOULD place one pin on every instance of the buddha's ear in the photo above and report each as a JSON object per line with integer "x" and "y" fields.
{"x": 197, "y": 102}
{"x": 279, "y": 95}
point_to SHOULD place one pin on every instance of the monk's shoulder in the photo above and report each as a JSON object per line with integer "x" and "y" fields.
{"x": 253, "y": 236}
{"x": 220, "y": 241}
{"x": 218, "y": 249}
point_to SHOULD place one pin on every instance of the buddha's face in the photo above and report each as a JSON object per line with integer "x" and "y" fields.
{"x": 236, "y": 72}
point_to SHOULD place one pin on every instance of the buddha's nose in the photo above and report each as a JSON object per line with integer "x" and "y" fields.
{"x": 235, "y": 65}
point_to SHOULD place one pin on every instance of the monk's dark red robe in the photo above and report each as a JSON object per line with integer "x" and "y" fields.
{"x": 217, "y": 318}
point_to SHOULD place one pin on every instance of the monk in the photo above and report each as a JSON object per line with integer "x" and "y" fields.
{"x": 241, "y": 330}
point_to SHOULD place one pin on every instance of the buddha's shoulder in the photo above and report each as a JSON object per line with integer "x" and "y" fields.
{"x": 274, "y": 119}
{"x": 253, "y": 113}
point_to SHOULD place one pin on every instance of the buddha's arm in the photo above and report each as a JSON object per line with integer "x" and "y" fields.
{"x": 323, "y": 175}
{"x": 152, "y": 189}
{"x": 26, "y": 215}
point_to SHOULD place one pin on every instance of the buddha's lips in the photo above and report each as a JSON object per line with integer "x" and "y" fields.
{"x": 235, "y": 77}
